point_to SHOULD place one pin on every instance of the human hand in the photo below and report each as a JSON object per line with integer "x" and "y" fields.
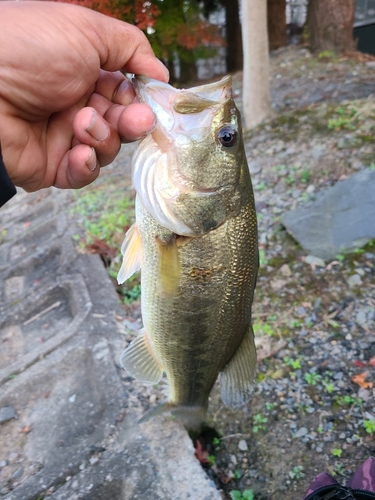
{"x": 65, "y": 107}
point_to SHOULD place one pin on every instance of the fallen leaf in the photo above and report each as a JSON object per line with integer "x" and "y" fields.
{"x": 224, "y": 478}
{"x": 200, "y": 453}
{"x": 26, "y": 429}
{"x": 360, "y": 380}
{"x": 360, "y": 363}
{"x": 372, "y": 361}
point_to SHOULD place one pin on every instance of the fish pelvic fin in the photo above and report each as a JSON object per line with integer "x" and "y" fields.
{"x": 131, "y": 249}
{"x": 169, "y": 268}
{"x": 139, "y": 360}
{"x": 192, "y": 417}
{"x": 237, "y": 378}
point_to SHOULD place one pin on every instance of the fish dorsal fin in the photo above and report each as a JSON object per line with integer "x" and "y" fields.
{"x": 236, "y": 380}
{"x": 139, "y": 360}
{"x": 131, "y": 249}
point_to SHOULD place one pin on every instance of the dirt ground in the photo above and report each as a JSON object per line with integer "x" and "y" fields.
{"x": 313, "y": 408}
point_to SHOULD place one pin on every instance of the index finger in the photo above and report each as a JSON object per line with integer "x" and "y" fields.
{"x": 122, "y": 46}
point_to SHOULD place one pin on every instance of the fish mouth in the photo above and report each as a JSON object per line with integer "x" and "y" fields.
{"x": 215, "y": 92}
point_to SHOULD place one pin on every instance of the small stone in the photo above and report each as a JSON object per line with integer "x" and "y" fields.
{"x": 354, "y": 280}
{"x": 72, "y": 398}
{"x": 3, "y": 463}
{"x": 94, "y": 460}
{"x": 233, "y": 459}
{"x": 310, "y": 189}
{"x": 314, "y": 261}
{"x": 285, "y": 270}
{"x": 75, "y": 484}
{"x": 301, "y": 432}
{"x": 317, "y": 152}
{"x": 254, "y": 167}
{"x": 364, "y": 394}
{"x": 7, "y": 413}
{"x": 242, "y": 445}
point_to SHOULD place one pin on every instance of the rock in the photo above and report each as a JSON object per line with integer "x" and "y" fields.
{"x": 7, "y": 413}
{"x": 318, "y": 151}
{"x": 285, "y": 270}
{"x": 242, "y": 445}
{"x": 314, "y": 261}
{"x": 354, "y": 280}
{"x": 341, "y": 219}
{"x": 301, "y": 432}
{"x": 254, "y": 167}
{"x": 3, "y": 463}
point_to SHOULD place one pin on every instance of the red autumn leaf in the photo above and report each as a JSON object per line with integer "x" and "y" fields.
{"x": 360, "y": 364}
{"x": 360, "y": 380}
{"x": 200, "y": 453}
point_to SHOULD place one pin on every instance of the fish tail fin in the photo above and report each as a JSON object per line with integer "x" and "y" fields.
{"x": 192, "y": 417}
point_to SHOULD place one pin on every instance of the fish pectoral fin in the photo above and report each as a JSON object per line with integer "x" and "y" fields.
{"x": 131, "y": 249}
{"x": 139, "y": 360}
{"x": 236, "y": 380}
{"x": 169, "y": 268}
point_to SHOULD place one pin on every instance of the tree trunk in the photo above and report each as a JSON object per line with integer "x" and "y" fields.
{"x": 234, "y": 58}
{"x": 189, "y": 72}
{"x": 276, "y": 23}
{"x": 256, "y": 85}
{"x": 330, "y": 25}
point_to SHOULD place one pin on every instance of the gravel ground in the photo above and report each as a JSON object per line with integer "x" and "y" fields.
{"x": 313, "y": 408}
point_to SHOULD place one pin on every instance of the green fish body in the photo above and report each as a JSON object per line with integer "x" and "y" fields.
{"x": 195, "y": 239}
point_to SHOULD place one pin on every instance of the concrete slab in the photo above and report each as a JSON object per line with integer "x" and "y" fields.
{"x": 73, "y": 432}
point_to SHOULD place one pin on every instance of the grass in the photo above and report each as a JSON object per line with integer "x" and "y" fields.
{"x": 105, "y": 211}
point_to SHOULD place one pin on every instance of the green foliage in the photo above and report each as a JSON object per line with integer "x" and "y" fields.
{"x": 262, "y": 258}
{"x": 348, "y": 401}
{"x": 372, "y": 166}
{"x": 216, "y": 441}
{"x": 337, "y": 452}
{"x": 259, "y": 423}
{"x": 103, "y": 213}
{"x": 245, "y": 495}
{"x": 297, "y": 472}
{"x": 343, "y": 119}
{"x": 312, "y": 378}
{"x": 293, "y": 363}
{"x": 327, "y": 55}
{"x": 263, "y": 328}
{"x": 3, "y": 236}
{"x": 369, "y": 425}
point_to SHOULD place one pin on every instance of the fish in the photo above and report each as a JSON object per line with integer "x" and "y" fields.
{"x": 195, "y": 241}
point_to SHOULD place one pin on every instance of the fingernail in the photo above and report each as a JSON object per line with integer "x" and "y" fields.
{"x": 91, "y": 162}
{"x": 97, "y": 128}
{"x": 125, "y": 93}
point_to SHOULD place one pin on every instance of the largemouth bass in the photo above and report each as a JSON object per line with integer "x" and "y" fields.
{"x": 195, "y": 239}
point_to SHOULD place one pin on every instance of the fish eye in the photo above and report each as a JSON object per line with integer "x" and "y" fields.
{"x": 227, "y": 136}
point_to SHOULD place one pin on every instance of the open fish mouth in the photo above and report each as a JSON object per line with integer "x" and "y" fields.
{"x": 169, "y": 166}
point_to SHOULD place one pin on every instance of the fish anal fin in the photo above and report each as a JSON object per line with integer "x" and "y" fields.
{"x": 139, "y": 360}
{"x": 131, "y": 249}
{"x": 169, "y": 267}
{"x": 237, "y": 378}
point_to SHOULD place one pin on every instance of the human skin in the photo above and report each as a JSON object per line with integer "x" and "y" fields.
{"x": 65, "y": 107}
